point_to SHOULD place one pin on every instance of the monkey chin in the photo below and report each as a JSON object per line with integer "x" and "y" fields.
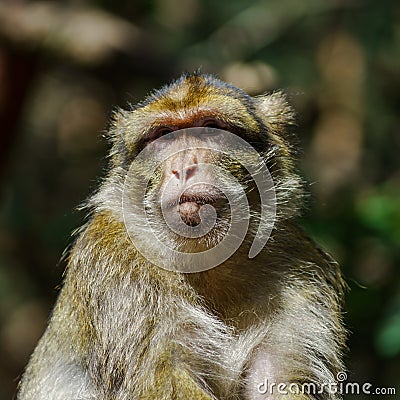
{"x": 189, "y": 213}
{"x": 197, "y": 230}
{"x": 193, "y": 221}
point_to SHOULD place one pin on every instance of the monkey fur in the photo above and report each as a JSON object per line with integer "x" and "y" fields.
{"x": 125, "y": 329}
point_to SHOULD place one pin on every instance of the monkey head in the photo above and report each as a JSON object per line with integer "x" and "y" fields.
{"x": 198, "y": 161}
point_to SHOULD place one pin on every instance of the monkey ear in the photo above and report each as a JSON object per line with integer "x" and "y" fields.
{"x": 274, "y": 110}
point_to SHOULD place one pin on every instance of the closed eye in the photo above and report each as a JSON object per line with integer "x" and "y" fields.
{"x": 164, "y": 132}
{"x": 215, "y": 127}
{"x": 214, "y": 123}
{"x": 158, "y": 133}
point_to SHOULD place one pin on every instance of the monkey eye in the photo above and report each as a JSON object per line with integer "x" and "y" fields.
{"x": 159, "y": 133}
{"x": 213, "y": 123}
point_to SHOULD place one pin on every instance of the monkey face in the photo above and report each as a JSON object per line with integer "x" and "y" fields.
{"x": 189, "y": 192}
{"x": 194, "y": 155}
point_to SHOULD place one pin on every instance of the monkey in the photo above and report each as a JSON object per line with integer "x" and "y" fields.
{"x": 128, "y": 325}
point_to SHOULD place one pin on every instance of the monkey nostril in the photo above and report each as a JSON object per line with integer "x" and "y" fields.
{"x": 186, "y": 174}
{"x": 190, "y": 172}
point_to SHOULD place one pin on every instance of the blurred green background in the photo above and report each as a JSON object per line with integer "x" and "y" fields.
{"x": 65, "y": 65}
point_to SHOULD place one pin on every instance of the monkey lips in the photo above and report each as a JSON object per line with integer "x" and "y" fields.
{"x": 191, "y": 205}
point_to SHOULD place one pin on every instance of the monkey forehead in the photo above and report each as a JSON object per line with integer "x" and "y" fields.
{"x": 182, "y": 111}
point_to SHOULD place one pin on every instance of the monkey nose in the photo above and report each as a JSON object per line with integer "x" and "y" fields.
{"x": 190, "y": 172}
{"x": 185, "y": 174}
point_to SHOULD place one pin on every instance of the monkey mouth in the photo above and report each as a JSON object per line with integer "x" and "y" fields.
{"x": 189, "y": 206}
{"x": 199, "y": 199}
